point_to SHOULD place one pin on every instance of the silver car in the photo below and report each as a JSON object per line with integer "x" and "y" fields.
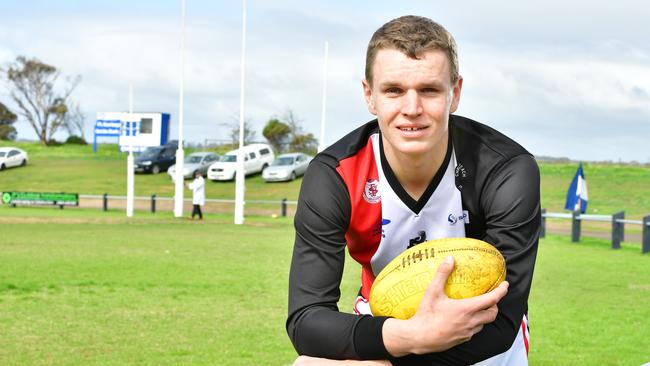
{"x": 195, "y": 162}
{"x": 287, "y": 167}
{"x": 12, "y": 156}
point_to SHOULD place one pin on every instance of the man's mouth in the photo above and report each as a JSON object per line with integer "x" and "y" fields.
{"x": 411, "y": 129}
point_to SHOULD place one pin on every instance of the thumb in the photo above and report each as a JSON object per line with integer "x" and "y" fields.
{"x": 437, "y": 285}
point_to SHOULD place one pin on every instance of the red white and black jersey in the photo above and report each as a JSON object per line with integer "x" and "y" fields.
{"x": 487, "y": 188}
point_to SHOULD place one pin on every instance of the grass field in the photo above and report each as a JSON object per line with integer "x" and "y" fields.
{"x": 79, "y": 288}
{"x": 82, "y": 287}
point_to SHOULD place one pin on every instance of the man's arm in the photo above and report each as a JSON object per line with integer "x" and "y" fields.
{"x": 439, "y": 324}
{"x": 315, "y": 325}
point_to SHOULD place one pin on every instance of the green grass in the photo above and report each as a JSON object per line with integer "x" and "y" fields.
{"x": 81, "y": 287}
{"x": 75, "y": 169}
{"x": 611, "y": 188}
{"x": 589, "y": 304}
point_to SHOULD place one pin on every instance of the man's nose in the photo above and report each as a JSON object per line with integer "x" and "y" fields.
{"x": 411, "y": 104}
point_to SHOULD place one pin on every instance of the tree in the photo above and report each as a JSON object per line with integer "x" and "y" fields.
{"x": 7, "y": 119}
{"x": 33, "y": 88}
{"x": 300, "y": 140}
{"x": 233, "y": 125}
{"x": 277, "y": 133}
{"x": 305, "y": 142}
{"x": 74, "y": 121}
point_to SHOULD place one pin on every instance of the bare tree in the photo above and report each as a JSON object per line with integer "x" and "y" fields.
{"x": 33, "y": 88}
{"x": 233, "y": 125}
{"x": 299, "y": 140}
{"x": 293, "y": 121}
{"x": 75, "y": 120}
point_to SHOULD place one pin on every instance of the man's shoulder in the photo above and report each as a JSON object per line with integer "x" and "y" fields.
{"x": 349, "y": 145}
{"x": 477, "y": 140}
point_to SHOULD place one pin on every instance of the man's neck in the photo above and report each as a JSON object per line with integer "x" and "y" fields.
{"x": 415, "y": 172}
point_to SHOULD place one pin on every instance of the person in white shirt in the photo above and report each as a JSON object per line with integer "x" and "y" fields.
{"x": 198, "y": 194}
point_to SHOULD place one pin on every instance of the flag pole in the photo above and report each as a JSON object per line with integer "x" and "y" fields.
{"x": 178, "y": 179}
{"x": 239, "y": 176}
{"x": 130, "y": 178}
{"x": 321, "y": 145}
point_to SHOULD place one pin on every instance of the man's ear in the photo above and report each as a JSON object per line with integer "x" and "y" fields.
{"x": 455, "y": 98}
{"x": 367, "y": 94}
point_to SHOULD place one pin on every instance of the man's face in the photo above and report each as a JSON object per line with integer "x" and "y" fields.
{"x": 412, "y": 99}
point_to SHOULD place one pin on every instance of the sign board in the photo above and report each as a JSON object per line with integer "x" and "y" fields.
{"x": 135, "y": 131}
{"x": 108, "y": 128}
{"x": 40, "y": 198}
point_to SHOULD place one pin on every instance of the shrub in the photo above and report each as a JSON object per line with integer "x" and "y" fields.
{"x": 74, "y": 139}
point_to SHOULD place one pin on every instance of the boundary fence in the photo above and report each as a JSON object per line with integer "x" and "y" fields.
{"x": 617, "y": 220}
{"x": 283, "y": 207}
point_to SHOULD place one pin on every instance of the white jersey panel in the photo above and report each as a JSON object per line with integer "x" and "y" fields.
{"x": 441, "y": 217}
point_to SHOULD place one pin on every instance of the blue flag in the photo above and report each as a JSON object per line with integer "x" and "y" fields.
{"x": 576, "y": 197}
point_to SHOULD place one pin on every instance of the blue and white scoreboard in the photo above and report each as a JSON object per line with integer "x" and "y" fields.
{"x": 135, "y": 131}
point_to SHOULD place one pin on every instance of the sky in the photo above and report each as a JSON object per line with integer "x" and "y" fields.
{"x": 563, "y": 78}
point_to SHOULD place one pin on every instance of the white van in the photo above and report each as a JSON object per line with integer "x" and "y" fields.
{"x": 256, "y": 158}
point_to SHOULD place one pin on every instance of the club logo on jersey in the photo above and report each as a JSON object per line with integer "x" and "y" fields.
{"x": 453, "y": 219}
{"x": 460, "y": 171}
{"x": 371, "y": 192}
{"x": 460, "y": 174}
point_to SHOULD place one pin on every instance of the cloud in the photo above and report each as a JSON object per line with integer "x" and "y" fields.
{"x": 544, "y": 74}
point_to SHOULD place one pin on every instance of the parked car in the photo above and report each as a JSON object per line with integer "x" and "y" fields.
{"x": 155, "y": 159}
{"x": 256, "y": 158}
{"x": 12, "y": 156}
{"x": 287, "y": 167}
{"x": 195, "y": 162}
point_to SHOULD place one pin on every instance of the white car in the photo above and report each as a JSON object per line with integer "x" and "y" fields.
{"x": 195, "y": 162}
{"x": 287, "y": 167}
{"x": 12, "y": 156}
{"x": 256, "y": 158}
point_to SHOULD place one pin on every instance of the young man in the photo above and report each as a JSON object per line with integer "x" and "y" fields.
{"x": 416, "y": 173}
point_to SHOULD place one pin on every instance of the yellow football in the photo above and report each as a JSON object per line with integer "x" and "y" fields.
{"x": 398, "y": 289}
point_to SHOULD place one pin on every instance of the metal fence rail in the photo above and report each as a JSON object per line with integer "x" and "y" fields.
{"x": 617, "y": 220}
{"x": 153, "y": 199}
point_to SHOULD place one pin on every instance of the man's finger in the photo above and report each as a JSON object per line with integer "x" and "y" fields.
{"x": 440, "y": 279}
{"x": 488, "y": 315}
{"x": 490, "y": 298}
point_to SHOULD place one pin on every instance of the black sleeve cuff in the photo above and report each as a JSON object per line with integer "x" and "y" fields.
{"x": 368, "y": 340}
{"x": 410, "y": 360}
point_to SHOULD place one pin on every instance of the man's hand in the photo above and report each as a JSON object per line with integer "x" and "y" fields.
{"x": 315, "y": 361}
{"x": 440, "y": 322}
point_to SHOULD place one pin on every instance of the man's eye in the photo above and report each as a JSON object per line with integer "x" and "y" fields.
{"x": 429, "y": 90}
{"x": 393, "y": 90}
